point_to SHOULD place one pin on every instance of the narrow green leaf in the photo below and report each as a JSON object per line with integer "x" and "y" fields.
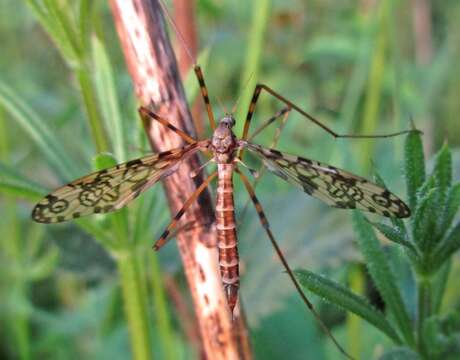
{"x": 442, "y": 171}
{"x": 95, "y": 120}
{"x": 439, "y": 286}
{"x": 424, "y": 221}
{"x": 67, "y": 27}
{"x": 259, "y": 22}
{"x": 394, "y": 235}
{"x": 35, "y": 127}
{"x": 414, "y": 166}
{"x": 104, "y": 161}
{"x": 428, "y": 184}
{"x": 14, "y": 184}
{"x": 106, "y": 91}
{"x": 340, "y": 296}
{"x": 54, "y": 30}
{"x": 451, "y": 208}
{"x": 380, "y": 271}
{"x": 400, "y": 353}
{"x": 84, "y": 18}
{"x": 95, "y": 230}
{"x": 448, "y": 246}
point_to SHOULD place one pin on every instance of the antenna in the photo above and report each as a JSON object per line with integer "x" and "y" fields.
{"x": 187, "y": 49}
{"x": 178, "y": 33}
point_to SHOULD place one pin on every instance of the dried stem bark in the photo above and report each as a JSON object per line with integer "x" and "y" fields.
{"x": 153, "y": 69}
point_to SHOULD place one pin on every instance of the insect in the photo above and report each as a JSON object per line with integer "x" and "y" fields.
{"x": 111, "y": 189}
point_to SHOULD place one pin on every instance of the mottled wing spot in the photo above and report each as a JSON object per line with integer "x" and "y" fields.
{"x": 109, "y": 189}
{"x": 331, "y": 185}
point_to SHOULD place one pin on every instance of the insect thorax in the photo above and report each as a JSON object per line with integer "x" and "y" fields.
{"x": 224, "y": 143}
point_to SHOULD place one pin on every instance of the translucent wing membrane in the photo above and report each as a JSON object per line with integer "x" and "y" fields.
{"x": 334, "y": 186}
{"x": 110, "y": 189}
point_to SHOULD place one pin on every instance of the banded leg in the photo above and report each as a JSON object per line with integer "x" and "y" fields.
{"x": 266, "y": 226}
{"x": 255, "y": 97}
{"x": 146, "y": 114}
{"x": 164, "y": 237}
{"x": 205, "y": 95}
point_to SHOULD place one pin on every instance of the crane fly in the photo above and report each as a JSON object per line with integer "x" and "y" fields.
{"x": 111, "y": 189}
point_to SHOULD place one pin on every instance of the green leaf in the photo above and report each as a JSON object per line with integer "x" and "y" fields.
{"x": 447, "y": 247}
{"x": 345, "y": 299}
{"x": 379, "y": 269}
{"x": 14, "y": 184}
{"x": 429, "y": 184}
{"x": 414, "y": 166}
{"x": 106, "y": 91}
{"x": 63, "y": 25}
{"x": 104, "y": 161}
{"x": 442, "y": 171}
{"x": 85, "y": 21}
{"x": 442, "y": 337}
{"x": 424, "y": 221}
{"x": 400, "y": 353}
{"x": 35, "y": 128}
{"x": 54, "y": 30}
{"x": 394, "y": 235}
{"x": 451, "y": 208}
{"x": 439, "y": 285}
{"x": 95, "y": 121}
{"x": 95, "y": 230}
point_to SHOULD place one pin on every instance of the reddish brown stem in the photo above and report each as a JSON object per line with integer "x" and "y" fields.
{"x": 155, "y": 77}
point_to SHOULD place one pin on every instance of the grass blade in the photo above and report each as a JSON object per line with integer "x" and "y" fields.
{"x": 35, "y": 128}
{"x": 14, "y": 184}
{"x": 107, "y": 94}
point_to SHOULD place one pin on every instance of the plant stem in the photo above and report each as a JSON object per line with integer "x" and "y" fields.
{"x": 134, "y": 304}
{"x": 163, "y": 320}
{"x": 424, "y": 310}
{"x": 153, "y": 69}
{"x": 354, "y": 323}
{"x": 374, "y": 87}
{"x": 260, "y": 19}
{"x": 90, "y": 102}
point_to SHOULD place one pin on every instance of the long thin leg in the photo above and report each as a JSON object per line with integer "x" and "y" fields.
{"x": 266, "y": 226}
{"x": 255, "y": 97}
{"x": 284, "y": 111}
{"x": 204, "y": 94}
{"x": 146, "y": 115}
{"x": 164, "y": 237}
{"x": 260, "y": 171}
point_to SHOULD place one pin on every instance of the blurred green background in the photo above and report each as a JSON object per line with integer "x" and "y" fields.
{"x": 94, "y": 289}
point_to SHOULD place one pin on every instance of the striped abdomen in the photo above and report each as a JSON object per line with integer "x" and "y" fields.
{"x": 226, "y": 234}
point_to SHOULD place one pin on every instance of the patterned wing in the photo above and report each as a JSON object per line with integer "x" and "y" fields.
{"x": 335, "y": 187}
{"x": 110, "y": 189}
